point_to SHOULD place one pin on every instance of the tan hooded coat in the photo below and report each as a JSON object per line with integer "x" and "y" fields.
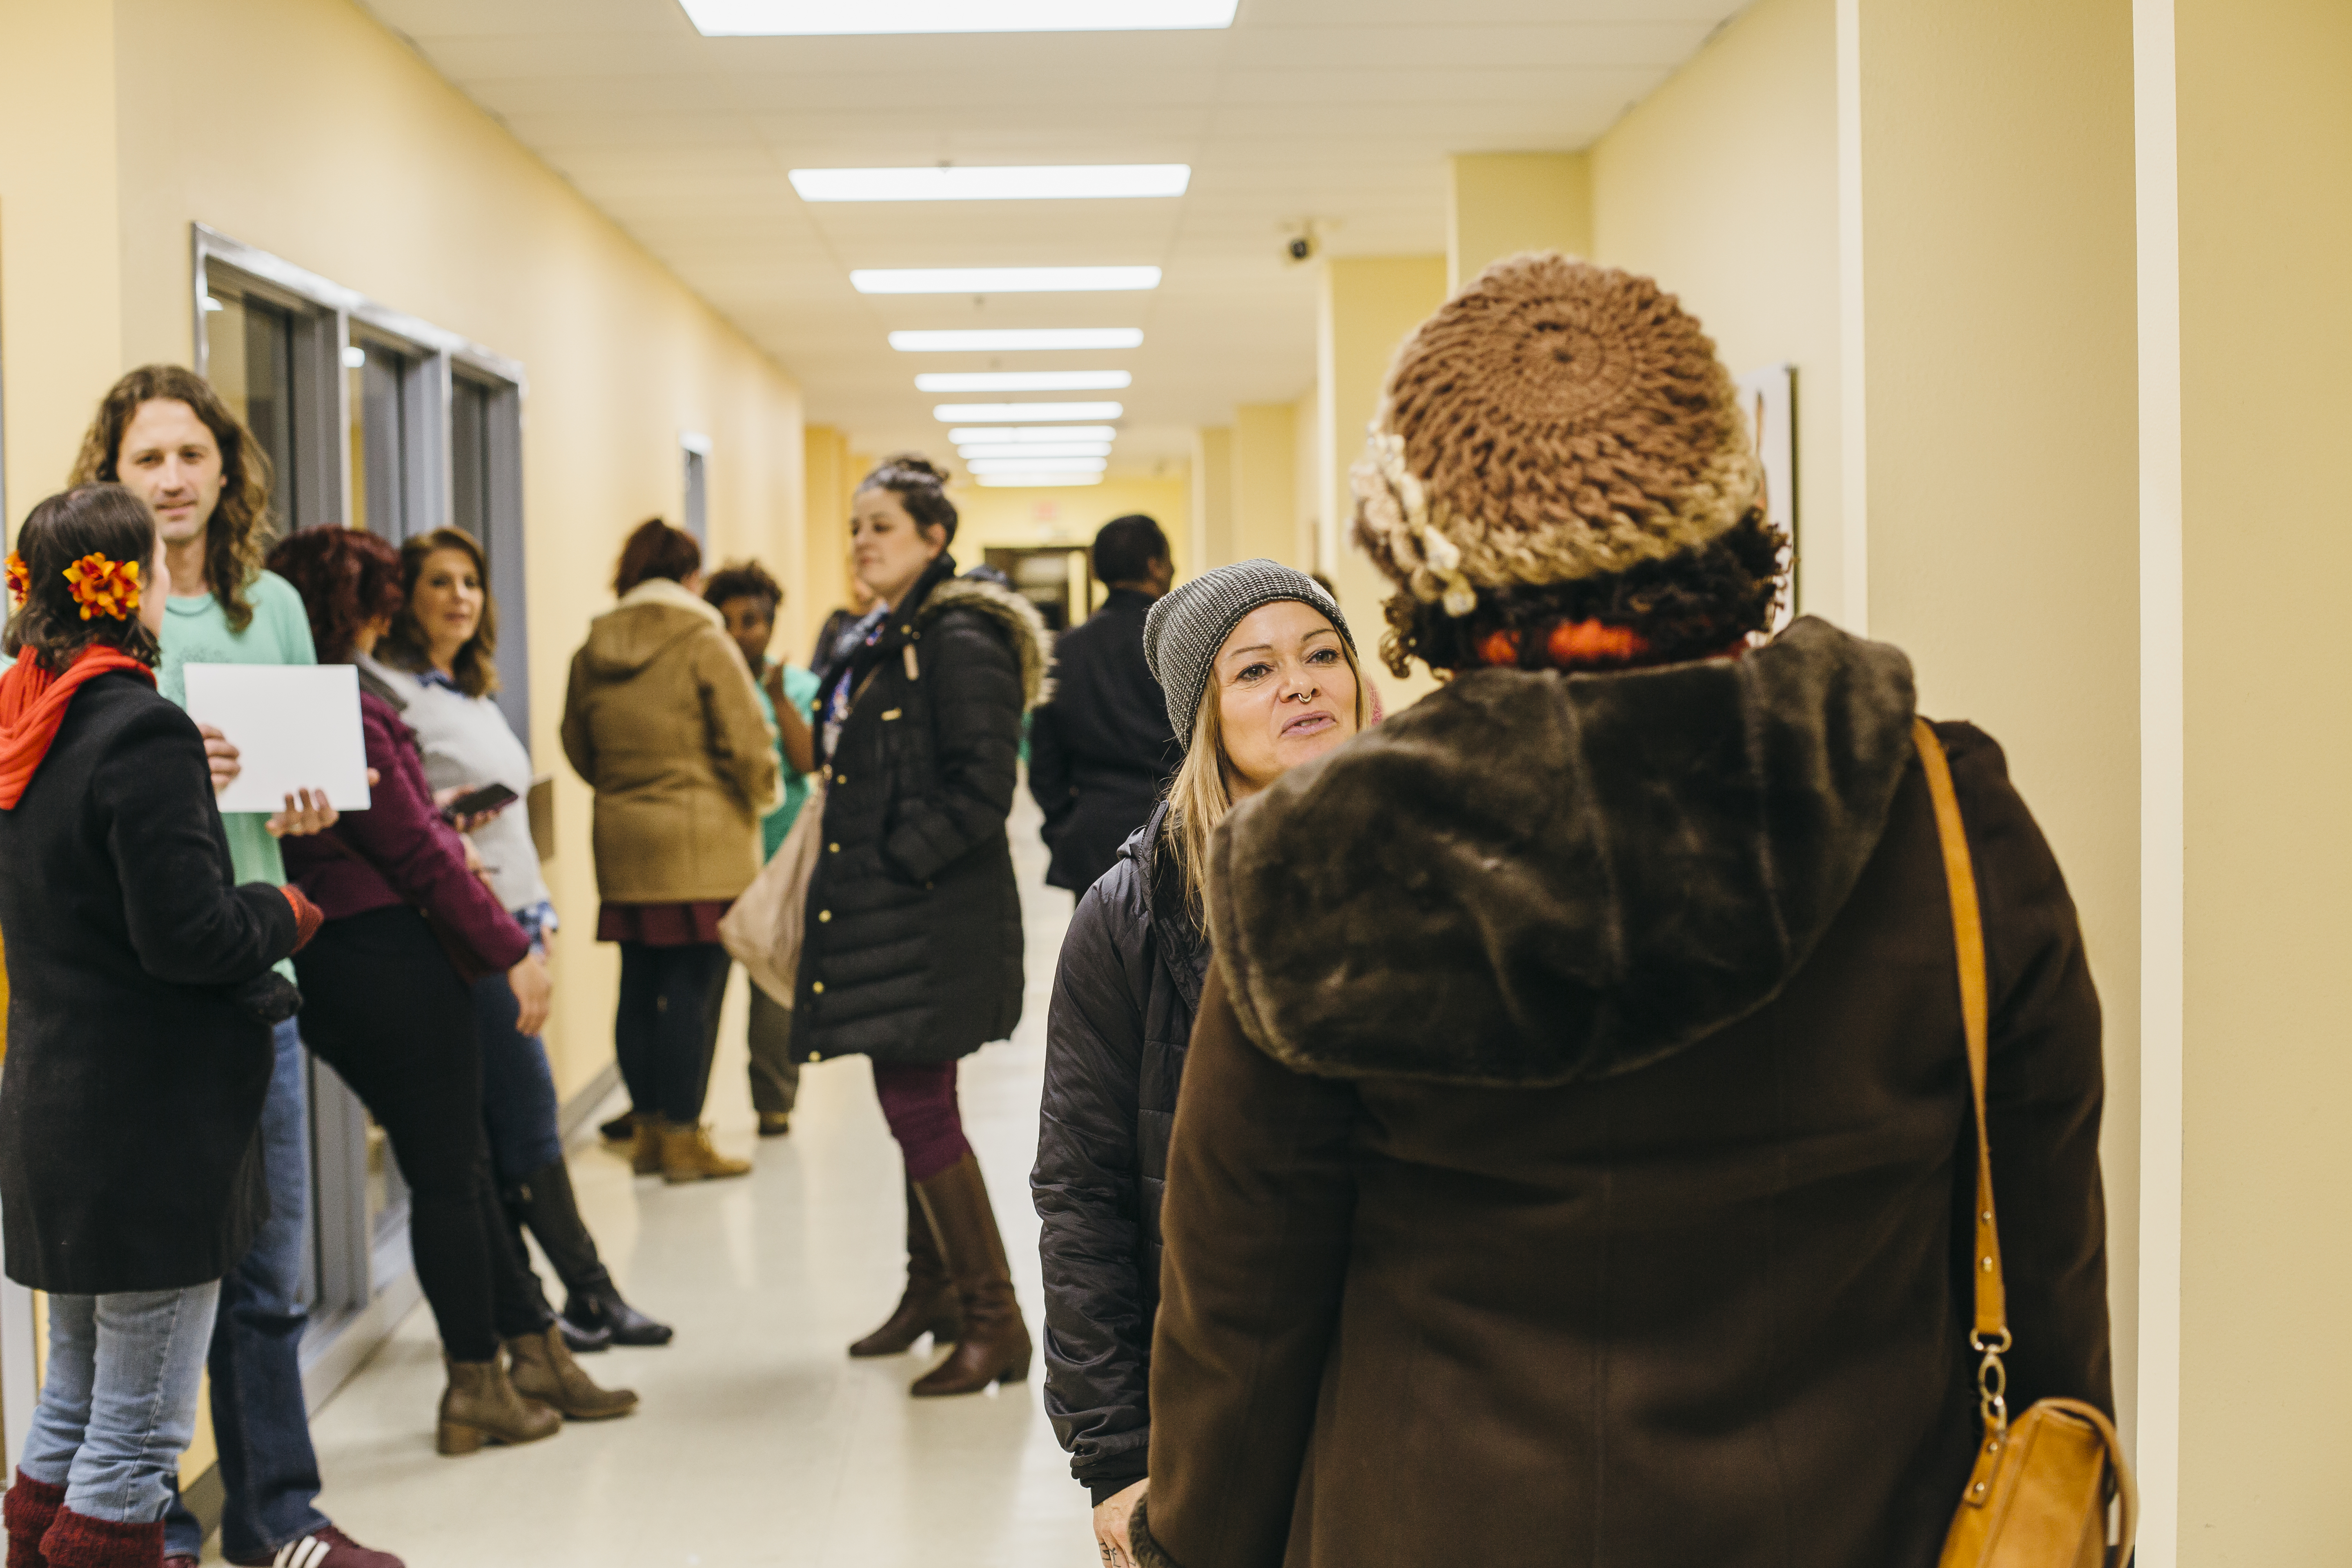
{"x": 661, "y": 719}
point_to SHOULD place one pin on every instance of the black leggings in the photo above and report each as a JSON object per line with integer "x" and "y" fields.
{"x": 667, "y": 1027}
{"x": 382, "y": 1006}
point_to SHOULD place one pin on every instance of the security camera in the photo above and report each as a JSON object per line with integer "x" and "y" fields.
{"x": 1298, "y": 247}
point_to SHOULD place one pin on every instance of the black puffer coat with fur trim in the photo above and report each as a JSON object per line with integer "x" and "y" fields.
{"x": 912, "y": 952}
{"x": 1575, "y": 1155}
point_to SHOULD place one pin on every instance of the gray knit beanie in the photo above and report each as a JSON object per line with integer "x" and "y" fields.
{"x": 1188, "y": 625}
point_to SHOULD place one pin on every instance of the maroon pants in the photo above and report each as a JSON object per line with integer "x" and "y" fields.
{"x": 920, "y": 1104}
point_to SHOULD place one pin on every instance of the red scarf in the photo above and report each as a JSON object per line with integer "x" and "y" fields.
{"x": 33, "y": 703}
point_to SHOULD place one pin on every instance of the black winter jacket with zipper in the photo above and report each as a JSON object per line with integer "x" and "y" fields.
{"x": 912, "y": 952}
{"x": 1124, "y": 994}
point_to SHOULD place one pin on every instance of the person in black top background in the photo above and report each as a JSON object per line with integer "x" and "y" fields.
{"x": 1100, "y": 750}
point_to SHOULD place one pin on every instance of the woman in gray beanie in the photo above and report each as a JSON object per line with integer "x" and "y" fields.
{"x": 1260, "y": 674}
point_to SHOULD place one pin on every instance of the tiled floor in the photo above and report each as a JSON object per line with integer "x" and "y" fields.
{"x": 758, "y": 1441}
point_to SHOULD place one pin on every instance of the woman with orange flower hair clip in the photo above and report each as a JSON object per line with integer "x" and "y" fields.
{"x": 139, "y": 1041}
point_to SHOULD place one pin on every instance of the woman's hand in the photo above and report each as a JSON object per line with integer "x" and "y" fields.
{"x": 531, "y": 987}
{"x": 300, "y": 818}
{"x": 463, "y": 823}
{"x": 1111, "y": 1517}
{"x": 221, "y": 757}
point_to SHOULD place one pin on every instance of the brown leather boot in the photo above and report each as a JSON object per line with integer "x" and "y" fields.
{"x": 929, "y": 1305}
{"x": 646, "y": 1146}
{"x": 480, "y": 1405}
{"x": 995, "y": 1346}
{"x": 544, "y": 1371}
{"x": 687, "y": 1156}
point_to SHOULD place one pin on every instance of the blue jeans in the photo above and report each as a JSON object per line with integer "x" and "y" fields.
{"x": 119, "y": 1402}
{"x": 518, "y": 1087}
{"x": 260, "y": 1419}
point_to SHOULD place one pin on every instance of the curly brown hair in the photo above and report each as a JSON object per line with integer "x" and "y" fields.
{"x": 346, "y": 578}
{"x": 237, "y": 532}
{"x": 406, "y": 646}
{"x": 103, "y": 520}
{"x": 1692, "y": 605}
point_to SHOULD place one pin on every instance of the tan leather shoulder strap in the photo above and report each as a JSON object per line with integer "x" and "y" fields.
{"x": 1992, "y": 1325}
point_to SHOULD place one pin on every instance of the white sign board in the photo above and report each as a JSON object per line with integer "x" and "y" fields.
{"x": 295, "y": 726}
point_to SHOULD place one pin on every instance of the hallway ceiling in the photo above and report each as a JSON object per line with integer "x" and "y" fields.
{"x": 1340, "y": 111}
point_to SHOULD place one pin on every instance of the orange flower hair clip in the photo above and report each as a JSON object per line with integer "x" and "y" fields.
{"x": 20, "y": 577}
{"x": 101, "y": 586}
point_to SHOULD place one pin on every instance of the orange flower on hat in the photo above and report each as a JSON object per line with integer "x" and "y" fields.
{"x": 20, "y": 578}
{"x": 101, "y": 586}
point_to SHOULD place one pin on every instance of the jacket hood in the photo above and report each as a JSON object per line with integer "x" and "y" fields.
{"x": 1526, "y": 879}
{"x": 650, "y": 617}
{"x": 1023, "y": 627}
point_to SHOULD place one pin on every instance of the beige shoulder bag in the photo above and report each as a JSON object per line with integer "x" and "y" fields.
{"x": 2038, "y": 1495}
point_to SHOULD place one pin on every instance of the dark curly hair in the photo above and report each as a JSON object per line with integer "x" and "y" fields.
{"x": 1693, "y": 605}
{"x": 106, "y": 520}
{"x": 921, "y": 487}
{"x": 239, "y": 528}
{"x": 655, "y": 549}
{"x": 405, "y": 647}
{"x": 346, "y": 578}
{"x": 742, "y": 580}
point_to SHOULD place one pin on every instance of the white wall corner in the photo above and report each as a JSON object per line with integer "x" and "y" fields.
{"x": 1853, "y": 612}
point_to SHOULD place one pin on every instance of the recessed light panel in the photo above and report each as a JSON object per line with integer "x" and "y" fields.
{"x": 1037, "y": 465}
{"x": 1006, "y": 413}
{"x": 1003, "y": 279}
{"x": 1017, "y": 339}
{"x": 1036, "y": 449}
{"x": 1028, "y": 481}
{"x": 1023, "y": 381}
{"x": 802, "y": 18}
{"x": 1033, "y": 433}
{"x": 993, "y": 183}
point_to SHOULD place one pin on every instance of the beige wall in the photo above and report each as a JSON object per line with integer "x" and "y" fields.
{"x": 1499, "y": 203}
{"x": 1722, "y": 184}
{"x": 1265, "y": 501}
{"x": 1069, "y": 514}
{"x": 1212, "y": 493}
{"x": 824, "y": 587}
{"x": 307, "y": 130}
{"x": 2266, "y": 324}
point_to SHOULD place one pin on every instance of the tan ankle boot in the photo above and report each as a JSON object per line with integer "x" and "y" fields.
{"x": 929, "y": 1305}
{"x": 687, "y": 1156}
{"x": 481, "y": 1406}
{"x": 995, "y": 1347}
{"x": 646, "y": 1146}
{"x": 544, "y": 1371}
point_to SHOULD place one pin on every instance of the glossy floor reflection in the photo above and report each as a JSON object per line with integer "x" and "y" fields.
{"x": 758, "y": 1441}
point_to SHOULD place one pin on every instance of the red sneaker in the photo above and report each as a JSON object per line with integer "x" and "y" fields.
{"x": 325, "y": 1547}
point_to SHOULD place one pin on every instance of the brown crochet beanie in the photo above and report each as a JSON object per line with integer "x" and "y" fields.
{"x": 1554, "y": 421}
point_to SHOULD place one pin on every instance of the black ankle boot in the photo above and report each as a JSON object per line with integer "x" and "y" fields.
{"x": 599, "y": 1307}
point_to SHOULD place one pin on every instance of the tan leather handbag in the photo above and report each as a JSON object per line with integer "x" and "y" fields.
{"x": 2039, "y": 1496}
{"x": 762, "y": 929}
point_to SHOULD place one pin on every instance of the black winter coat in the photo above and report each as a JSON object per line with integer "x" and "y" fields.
{"x": 1100, "y": 750}
{"x": 912, "y": 951}
{"x": 130, "y": 1103}
{"x": 1124, "y": 995}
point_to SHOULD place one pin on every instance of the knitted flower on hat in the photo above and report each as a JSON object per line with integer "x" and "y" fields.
{"x": 1554, "y": 421}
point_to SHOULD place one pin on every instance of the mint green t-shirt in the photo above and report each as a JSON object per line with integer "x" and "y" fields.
{"x": 800, "y": 691}
{"x": 196, "y": 631}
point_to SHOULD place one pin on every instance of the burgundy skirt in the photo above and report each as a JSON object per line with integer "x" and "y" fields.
{"x": 662, "y": 925}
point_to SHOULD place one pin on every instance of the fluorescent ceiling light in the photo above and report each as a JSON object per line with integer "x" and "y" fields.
{"x": 1026, "y": 481}
{"x": 1002, "y": 279}
{"x": 1033, "y": 433}
{"x": 1036, "y": 449}
{"x": 1015, "y": 340}
{"x": 1038, "y": 465}
{"x": 948, "y": 413}
{"x": 1023, "y": 381}
{"x": 993, "y": 183}
{"x": 802, "y": 18}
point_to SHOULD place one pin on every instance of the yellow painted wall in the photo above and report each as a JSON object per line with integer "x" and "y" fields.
{"x": 1069, "y": 514}
{"x": 1504, "y": 203}
{"x": 2265, "y": 185}
{"x": 1212, "y": 493}
{"x": 1306, "y": 475}
{"x": 1722, "y": 184}
{"x": 823, "y": 586}
{"x": 309, "y": 131}
{"x": 1265, "y": 499}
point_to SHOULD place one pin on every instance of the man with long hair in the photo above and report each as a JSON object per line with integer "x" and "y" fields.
{"x": 166, "y": 435}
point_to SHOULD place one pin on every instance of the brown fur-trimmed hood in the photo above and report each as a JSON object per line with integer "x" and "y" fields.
{"x": 1025, "y": 628}
{"x": 1527, "y": 879}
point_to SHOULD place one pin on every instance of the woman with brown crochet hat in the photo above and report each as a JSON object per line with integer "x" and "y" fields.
{"x": 1575, "y": 1147}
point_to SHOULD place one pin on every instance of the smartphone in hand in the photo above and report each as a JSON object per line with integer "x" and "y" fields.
{"x": 478, "y": 803}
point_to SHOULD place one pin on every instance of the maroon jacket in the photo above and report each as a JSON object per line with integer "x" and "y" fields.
{"x": 399, "y": 851}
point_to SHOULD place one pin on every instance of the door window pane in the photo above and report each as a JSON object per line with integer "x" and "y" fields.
{"x": 379, "y": 375}
{"x": 250, "y": 358}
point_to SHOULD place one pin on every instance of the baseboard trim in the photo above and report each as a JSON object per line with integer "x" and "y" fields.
{"x": 575, "y": 1113}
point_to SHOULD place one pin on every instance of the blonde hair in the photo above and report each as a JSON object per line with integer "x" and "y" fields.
{"x": 1200, "y": 794}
